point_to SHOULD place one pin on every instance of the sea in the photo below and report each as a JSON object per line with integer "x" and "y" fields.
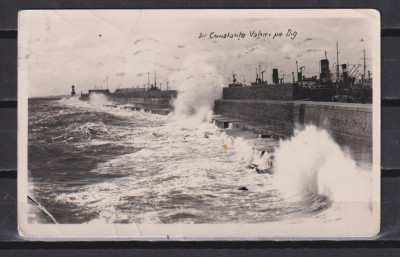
{"x": 89, "y": 162}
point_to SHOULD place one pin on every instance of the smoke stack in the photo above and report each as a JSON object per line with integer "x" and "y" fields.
{"x": 275, "y": 76}
{"x": 324, "y": 76}
{"x": 344, "y": 70}
{"x": 299, "y": 76}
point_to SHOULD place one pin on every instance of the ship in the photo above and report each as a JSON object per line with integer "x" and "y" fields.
{"x": 338, "y": 100}
{"x": 351, "y": 84}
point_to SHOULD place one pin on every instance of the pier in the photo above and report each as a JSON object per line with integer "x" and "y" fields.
{"x": 349, "y": 124}
{"x": 156, "y": 102}
{"x": 153, "y": 110}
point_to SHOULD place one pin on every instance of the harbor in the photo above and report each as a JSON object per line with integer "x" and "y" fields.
{"x": 337, "y": 102}
{"x": 187, "y": 126}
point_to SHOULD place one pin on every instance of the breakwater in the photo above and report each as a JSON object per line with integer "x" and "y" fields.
{"x": 138, "y": 108}
{"x": 349, "y": 124}
{"x": 285, "y": 91}
{"x": 144, "y": 102}
{"x": 159, "y": 102}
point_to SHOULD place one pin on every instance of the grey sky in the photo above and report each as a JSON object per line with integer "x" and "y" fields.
{"x": 58, "y": 49}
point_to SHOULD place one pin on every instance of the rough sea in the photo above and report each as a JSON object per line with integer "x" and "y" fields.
{"x": 92, "y": 163}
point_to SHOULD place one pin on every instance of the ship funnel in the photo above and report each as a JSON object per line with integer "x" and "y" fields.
{"x": 325, "y": 74}
{"x": 299, "y": 76}
{"x": 275, "y": 76}
{"x": 344, "y": 71}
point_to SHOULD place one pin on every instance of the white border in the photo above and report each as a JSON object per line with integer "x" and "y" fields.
{"x": 149, "y": 232}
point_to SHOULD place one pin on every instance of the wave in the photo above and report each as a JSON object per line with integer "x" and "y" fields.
{"x": 312, "y": 170}
{"x": 311, "y": 163}
{"x": 309, "y": 169}
{"x": 199, "y": 85}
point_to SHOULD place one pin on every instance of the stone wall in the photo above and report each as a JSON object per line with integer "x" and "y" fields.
{"x": 157, "y": 99}
{"x": 155, "y": 102}
{"x": 271, "y": 92}
{"x": 147, "y": 94}
{"x": 285, "y": 92}
{"x": 353, "y": 120}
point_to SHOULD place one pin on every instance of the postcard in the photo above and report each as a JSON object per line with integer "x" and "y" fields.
{"x": 198, "y": 124}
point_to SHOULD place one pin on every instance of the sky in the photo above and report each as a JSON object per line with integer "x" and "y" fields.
{"x": 58, "y": 49}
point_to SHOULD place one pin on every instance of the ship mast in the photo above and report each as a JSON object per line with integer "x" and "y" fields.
{"x": 155, "y": 79}
{"x": 337, "y": 61}
{"x": 283, "y": 76}
{"x": 148, "y": 80}
{"x": 363, "y": 78}
{"x": 256, "y": 75}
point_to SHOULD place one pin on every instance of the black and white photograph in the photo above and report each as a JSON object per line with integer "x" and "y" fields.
{"x": 198, "y": 124}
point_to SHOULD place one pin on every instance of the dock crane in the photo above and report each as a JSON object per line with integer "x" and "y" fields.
{"x": 354, "y": 68}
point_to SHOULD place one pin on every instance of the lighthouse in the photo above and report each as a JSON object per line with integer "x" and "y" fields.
{"x": 73, "y": 90}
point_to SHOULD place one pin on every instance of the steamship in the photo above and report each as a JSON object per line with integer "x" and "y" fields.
{"x": 344, "y": 86}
